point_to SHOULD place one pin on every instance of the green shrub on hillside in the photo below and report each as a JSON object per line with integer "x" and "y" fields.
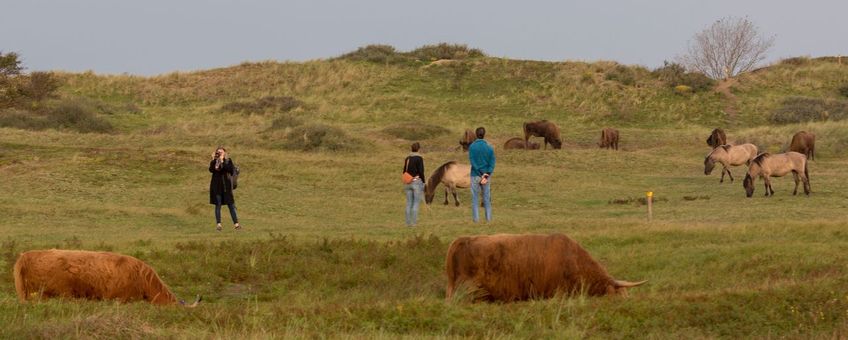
{"x": 797, "y": 61}
{"x": 268, "y": 104}
{"x": 806, "y": 109}
{"x": 381, "y": 54}
{"x": 74, "y": 115}
{"x": 843, "y": 90}
{"x": 446, "y": 51}
{"x": 416, "y": 131}
{"x": 319, "y": 137}
{"x": 622, "y": 74}
{"x": 285, "y": 121}
{"x": 674, "y": 74}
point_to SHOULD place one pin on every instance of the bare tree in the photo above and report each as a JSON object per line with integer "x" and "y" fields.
{"x": 728, "y": 47}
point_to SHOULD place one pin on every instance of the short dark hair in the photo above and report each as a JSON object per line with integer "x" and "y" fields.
{"x": 415, "y": 147}
{"x": 481, "y": 132}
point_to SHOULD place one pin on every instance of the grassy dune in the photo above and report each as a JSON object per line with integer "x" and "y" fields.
{"x": 326, "y": 253}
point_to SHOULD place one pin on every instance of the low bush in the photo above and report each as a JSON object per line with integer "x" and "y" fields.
{"x": 415, "y": 131}
{"x": 319, "y": 137}
{"x": 622, "y": 74}
{"x": 843, "y": 90}
{"x": 797, "y": 61}
{"x": 446, "y": 51}
{"x": 74, "y": 115}
{"x": 682, "y": 89}
{"x": 674, "y": 74}
{"x": 285, "y": 121}
{"x": 385, "y": 54}
{"x": 268, "y": 104}
{"x": 381, "y": 54}
{"x": 806, "y": 109}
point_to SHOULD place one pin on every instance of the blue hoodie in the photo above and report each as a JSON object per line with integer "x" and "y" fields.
{"x": 482, "y": 158}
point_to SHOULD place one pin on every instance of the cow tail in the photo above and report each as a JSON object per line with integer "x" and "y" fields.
{"x": 18, "y": 272}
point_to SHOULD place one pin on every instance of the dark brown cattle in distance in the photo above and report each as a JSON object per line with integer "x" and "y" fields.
{"x": 545, "y": 129}
{"x": 518, "y": 143}
{"x": 804, "y": 143}
{"x": 467, "y": 138}
{"x": 717, "y": 138}
{"x": 88, "y": 275}
{"x": 508, "y": 268}
{"x": 609, "y": 139}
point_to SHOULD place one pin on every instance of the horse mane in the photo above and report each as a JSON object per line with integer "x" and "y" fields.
{"x": 438, "y": 174}
{"x": 726, "y": 147}
{"x": 759, "y": 159}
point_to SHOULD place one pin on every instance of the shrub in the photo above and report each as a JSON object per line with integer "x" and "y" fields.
{"x": 622, "y": 74}
{"x": 319, "y": 137}
{"x": 268, "y": 104}
{"x": 805, "y": 109}
{"x": 446, "y": 51}
{"x": 797, "y": 61}
{"x": 843, "y": 90}
{"x": 674, "y": 74}
{"x": 383, "y": 54}
{"x": 40, "y": 86}
{"x": 285, "y": 121}
{"x": 682, "y": 89}
{"x": 67, "y": 114}
{"x": 415, "y": 131}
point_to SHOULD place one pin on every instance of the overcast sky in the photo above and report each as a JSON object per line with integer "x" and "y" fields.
{"x": 159, "y": 36}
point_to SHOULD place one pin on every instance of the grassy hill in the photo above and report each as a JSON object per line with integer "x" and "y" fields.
{"x": 325, "y": 253}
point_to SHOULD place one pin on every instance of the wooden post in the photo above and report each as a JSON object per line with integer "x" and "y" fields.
{"x": 650, "y": 195}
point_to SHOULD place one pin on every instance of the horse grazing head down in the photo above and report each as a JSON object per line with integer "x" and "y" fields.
{"x": 748, "y": 184}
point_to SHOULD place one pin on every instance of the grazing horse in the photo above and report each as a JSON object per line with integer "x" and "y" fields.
{"x": 545, "y": 129}
{"x": 468, "y": 137}
{"x": 805, "y": 143}
{"x": 729, "y": 155}
{"x": 717, "y": 138}
{"x": 453, "y": 176}
{"x": 609, "y": 139}
{"x": 767, "y": 165}
{"x": 518, "y": 143}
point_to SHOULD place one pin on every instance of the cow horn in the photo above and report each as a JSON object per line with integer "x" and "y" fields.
{"x": 199, "y": 298}
{"x": 627, "y": 284}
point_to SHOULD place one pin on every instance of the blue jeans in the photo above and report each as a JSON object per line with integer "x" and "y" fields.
{"x": 476, "y": 187}
{"x": 414, "y": 194}
{"x": 232, "y": 207}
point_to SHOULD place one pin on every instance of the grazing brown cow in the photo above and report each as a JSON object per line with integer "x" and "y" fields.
{"x": 467, "y": 138}
{"x": 508, "y": 268}
{"x": 518, "y": 143}
{"x": 804, "y": 143}
{"x": 546, "y": 129}
{"x": 717, "y": 138}
{"x": 609, "y": 139}
{"x": 89, "y": 275}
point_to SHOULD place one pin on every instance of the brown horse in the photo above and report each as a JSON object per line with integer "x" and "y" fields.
{"x": 729, "y": 155}
{"x": 545, "y": 129}
{"x": 805, "y": 143}
{"x": 468, "y": 137}
{"x": 518, "y": 143}
{"x": 453, "y": 176}
{"x": 717, "y": 138}
{"x": 609, "y": 139}
{"x": 766, "y": 166}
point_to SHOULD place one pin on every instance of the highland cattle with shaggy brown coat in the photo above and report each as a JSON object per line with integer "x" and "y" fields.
{"x": 509, "y": 267}
{"x": 88, "y": 275}
{"x": 609, "y": 139}
{"x": 545, "y": 129}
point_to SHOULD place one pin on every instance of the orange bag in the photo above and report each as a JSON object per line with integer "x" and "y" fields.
{"x": 406, "y": 178}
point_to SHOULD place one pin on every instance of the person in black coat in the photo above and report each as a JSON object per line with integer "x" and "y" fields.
{"x": 221, "y": 186}
{"x": 414, "y": 165}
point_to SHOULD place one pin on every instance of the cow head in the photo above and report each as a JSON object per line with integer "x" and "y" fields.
{"x": 618, "y": 287}
{"x": 197, "y": 301}
{"x": 556, "y": 143}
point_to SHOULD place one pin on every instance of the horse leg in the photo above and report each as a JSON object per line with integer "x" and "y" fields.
{"x": 455, "y": 196}
{"x": 723, "y": 170}
{"x": 446, "y": 194}
{"x": 766, "y": 184}
{"x": 797, "y": 179}
{"x": 729, "y": 174}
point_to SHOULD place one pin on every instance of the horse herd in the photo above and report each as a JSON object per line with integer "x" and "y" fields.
{"x": 762, "y": 165}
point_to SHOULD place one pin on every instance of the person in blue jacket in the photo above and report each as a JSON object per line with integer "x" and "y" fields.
{"x": 482, "y": 158}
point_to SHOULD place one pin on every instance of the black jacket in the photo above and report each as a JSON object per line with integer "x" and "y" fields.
{"x": 220, "y": 183}
{"x": 415, "y": 166}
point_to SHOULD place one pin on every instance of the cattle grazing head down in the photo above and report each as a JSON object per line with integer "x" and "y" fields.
{"x": 468, "y": 137}
{"x": 609, "y": 139}
{"x": 543, "y": 128}
{"x": 716, "y": 138}
{"x": 89, "y": 275}
{"x": 509, "y": 267}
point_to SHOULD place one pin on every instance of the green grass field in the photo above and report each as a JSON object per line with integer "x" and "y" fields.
{"x": 325, "y": 252}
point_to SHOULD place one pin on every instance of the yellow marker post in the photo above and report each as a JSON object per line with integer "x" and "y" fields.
{"x": 650, "y": 200}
